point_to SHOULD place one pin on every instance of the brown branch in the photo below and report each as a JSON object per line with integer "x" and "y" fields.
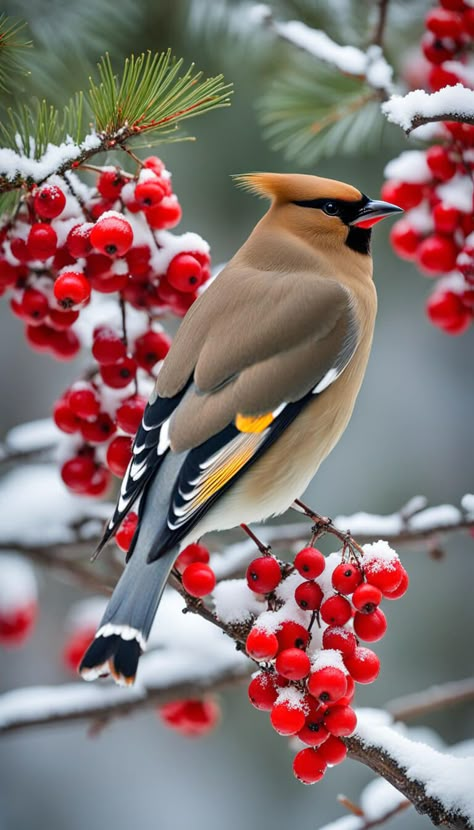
{"x": 433, "y": 699}
{"x": 421, "y": 120}
{"x": 111, "y": 702}
{"x": 379, "y": 31}
{"x": 368, "y": 823}
{"x": 381, "y": 762}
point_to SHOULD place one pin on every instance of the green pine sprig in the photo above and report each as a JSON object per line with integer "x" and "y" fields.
{"x": 12, "y": 42}
{"x": 151, "y": 96}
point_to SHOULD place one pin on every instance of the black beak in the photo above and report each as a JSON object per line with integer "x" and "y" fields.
{"x": 373, "y": 211}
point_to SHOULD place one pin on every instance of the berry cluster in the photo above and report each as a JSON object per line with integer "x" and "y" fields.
{"x": 435, "y": 186}
{"x": 97, "y": 267}
{"x": 308, "y": 642}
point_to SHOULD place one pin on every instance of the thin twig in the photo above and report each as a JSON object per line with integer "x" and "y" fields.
{"x": 379, "y": 31}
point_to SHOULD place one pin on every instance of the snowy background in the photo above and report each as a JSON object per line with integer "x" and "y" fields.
{"x": 411, "y": 433}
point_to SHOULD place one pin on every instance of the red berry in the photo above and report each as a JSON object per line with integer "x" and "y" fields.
{"x": 364, "y": 665}
{"x": 73, "y": 651}
{"x": 346, "y": 577}
{"x": 71, "y": 288}
{"x": 129, "y": 415}
{"x": 39, "y": 337}
{"x": 84, "y": 401}
{"x": 19, "y": 249}
{"x": 370, "y": 627}
{"x": 78, "y": 240}
{"x": 77, "y": 472}
{"x": 446, "y": 218}
{"x": 336, "y": 610}
{"x": 453, "y": 5}
{"x": 308, "y": 766}
{"x": 184, "y": 273}
{"x": 401, "y": 588}
{"x": 99, "y": 430}
{"x": 199, "y": 579}
{"x": 64, "y": 418}
{"x": 445, "y": 307}
{"x": 468, "y": 22}
{"x": 346, "y": 700}
{"x": 263, "y": 575}
{"x": 340, "y": 721}
{"x": 262, "y": 692}
{"x": 333, "y": 750}
{"x": 65, "y": 345}
{"x": 293, "y": 663}
{"x": 110, "y": 184}
{"x": 310, "y": 563}
{"x": 439, "y": 77}
{"x": 436, "y": 50}
{"x": 440, "y": 163}
{"x": 309, "y": 596}
{"x": 340, "y": 639}
{"x": 292, "y": 635}
{"x": 49, "y": 201}
{"x": 120, "y": 374}
{"x": 112, "y": 235}
{"x": 119, "y": 453}
{"x": 34, "y": 306}
{"x": 444, "y": 23}
{"x": 327, "y": 684}
{"x": 138, "y": 260}
{"x": 17, "y": 624}
{"x": 192, "y": 718}
{"x": 149, "y": 193}
{"x": 406, "y": 195}
{"x": 386, "y": 574}
{"x": 150, "y": 348}
{"x": 61, "y": 320}
{"x": 167, "y": 214}
{"x": 41, "y": 242}
{"x": 8, "y": 273}
{"x": 286, "y": 718}
{"x": 191, "y": 553}
{"x": 314, "y": 733}
{"x": 108, "y": 348}
{"x": 366, "y": 598}
{"x": 126, "y": 531}
{"x": 437, "y": 254}
{"x": 155, "y": 164}
{"x": 261, "y": 645}
{"x": 99, "y": 483}
{"x": 404, "y": 239}
{"x": 98, "y": 269}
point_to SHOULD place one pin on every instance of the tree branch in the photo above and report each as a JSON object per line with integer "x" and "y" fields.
{"x": 453, "y": 103}
{"x": 379, "y": 31}
{"x": 441, "y": 696}
{"x": 434, "y": 782}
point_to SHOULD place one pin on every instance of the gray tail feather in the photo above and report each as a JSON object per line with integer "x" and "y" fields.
{"x": 127, "y": 621}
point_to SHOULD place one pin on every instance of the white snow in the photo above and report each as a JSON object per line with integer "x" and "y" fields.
{"x": 328, "y": 657}
{"x": 379, "y": 551}
{"x": 457, "y": 192}
{"x": 293, "y": 698}
{"x": 409, "y": 166}
{"x": 369, "y": 524}
{"x": 170, "y": 245}
{"x": 14, "y": 164}
{"x": 444, "y": 776}
{"x": 235, "y": 602}
{"x": 17, "y": 582}
{"x": 467, "y": 503}
{"x": 451, "y": 101}
{"x": 379, "y": 798}
{"x": 38, "y": 493}
{"x": 421, "y": 218}
{"x": 443, "y": 515}
{"x": 32, "y": 436}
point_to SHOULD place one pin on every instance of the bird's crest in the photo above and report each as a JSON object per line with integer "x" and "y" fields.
{"x": 288, "y": 187}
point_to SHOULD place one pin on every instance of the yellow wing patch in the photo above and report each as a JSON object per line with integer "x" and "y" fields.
{"x": 253, "y": 423}
{"x": 219, "y": 478}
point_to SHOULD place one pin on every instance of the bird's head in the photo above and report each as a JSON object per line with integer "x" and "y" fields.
{"x": 323, "y": 211}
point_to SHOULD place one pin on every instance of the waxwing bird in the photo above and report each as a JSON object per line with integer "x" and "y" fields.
{"x": 256, "y": 390}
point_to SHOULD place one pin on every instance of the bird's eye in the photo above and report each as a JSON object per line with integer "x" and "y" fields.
{"x": 330, "y": 208}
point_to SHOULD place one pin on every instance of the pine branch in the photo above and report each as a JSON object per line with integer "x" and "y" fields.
{"x": 12, "y": 43}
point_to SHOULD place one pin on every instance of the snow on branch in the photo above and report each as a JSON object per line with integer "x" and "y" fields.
{"x": 350, "y": 60}
{"x": 452, "y": 103}
{"x": 437, "y": 697}
{"x": 30, "y": 441}
{"x": 438, "y": 784}
{"x": 188, "y": 658}
{"x": 379, "y": 802}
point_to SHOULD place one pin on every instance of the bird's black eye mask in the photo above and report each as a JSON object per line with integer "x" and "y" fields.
{"x": 358, "y": 239}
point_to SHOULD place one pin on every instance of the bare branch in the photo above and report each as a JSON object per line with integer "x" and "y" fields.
{"x": 381, "y": 23}
{"x": 437, "y": 697}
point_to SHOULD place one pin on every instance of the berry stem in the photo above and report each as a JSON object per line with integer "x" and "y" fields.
{"x": 265, "y": 550}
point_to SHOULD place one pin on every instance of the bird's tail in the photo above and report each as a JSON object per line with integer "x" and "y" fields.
{"x": 124, "y": 629}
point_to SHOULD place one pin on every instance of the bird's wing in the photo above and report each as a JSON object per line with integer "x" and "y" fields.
{"x": 246, "y": 359}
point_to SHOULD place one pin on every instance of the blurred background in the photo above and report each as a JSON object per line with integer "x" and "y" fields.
{"x": 411, "y": 433}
